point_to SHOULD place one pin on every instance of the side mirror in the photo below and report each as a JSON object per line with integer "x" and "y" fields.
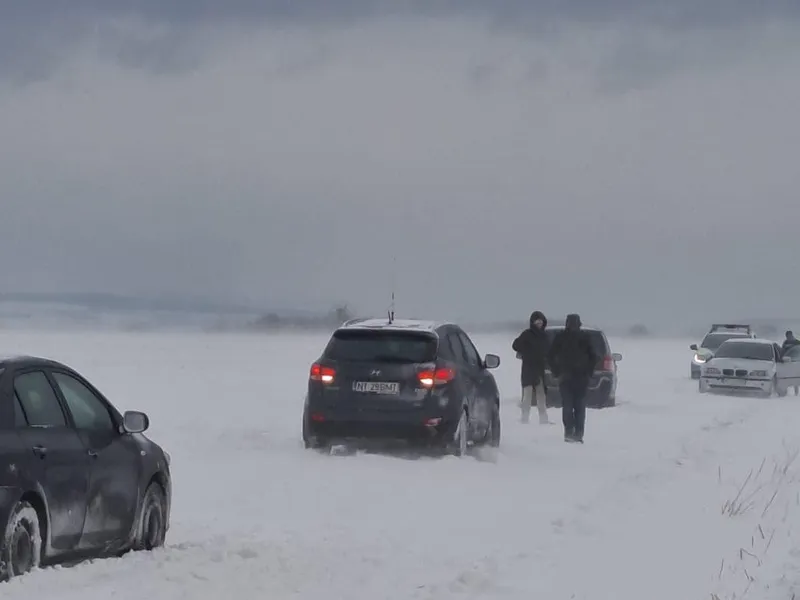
{"x": 134, "y": 421}
{"x": 519, "y": 356}
{"x": 693, "y": 347}
{"x": 616, "y": 356}
{"x": 491, "y": 361}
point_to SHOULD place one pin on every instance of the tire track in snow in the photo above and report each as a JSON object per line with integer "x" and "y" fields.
{"x": 619, "y": 501}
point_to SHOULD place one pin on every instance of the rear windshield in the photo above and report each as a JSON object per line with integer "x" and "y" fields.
{"x": 713, "y": 340}
{"x": 381, "y": 346}
{"x": 597, "y": 338}
{"x": 734, "y": 349}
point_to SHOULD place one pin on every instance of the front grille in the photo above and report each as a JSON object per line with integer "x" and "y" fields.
{"x": 728, "y": 372}
{"x": 741, "y": 372}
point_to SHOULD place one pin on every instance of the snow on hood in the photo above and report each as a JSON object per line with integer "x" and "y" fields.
{"x": 741, "y": 363}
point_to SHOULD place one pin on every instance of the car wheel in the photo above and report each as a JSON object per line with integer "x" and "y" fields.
{"x": 773, "y": 387}
{"x": 493, "y": 433}
{"x": 152, "y": 530}
{"x": 459, "y": 438}
{"x": 22, "y": 542}
{"x": 311, "y": 441}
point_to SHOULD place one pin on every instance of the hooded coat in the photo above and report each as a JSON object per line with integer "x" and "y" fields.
{"x": 572, "y": 356}
{"x": 532, "y": 346}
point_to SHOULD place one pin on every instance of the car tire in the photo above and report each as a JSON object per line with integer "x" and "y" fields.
{"x": 458, "y": 438}
{"x": 311, "y": 441}
{"x": 152, "y": 528}
{"x": 22, "y": 542}
{"x": 494, "y": 431}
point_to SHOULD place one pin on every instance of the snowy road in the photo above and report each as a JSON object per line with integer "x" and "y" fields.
{"x": 635, "y": 512}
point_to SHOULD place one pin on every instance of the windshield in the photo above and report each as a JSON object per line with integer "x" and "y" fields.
{"x": 746, "y": 350}
{"x": 713, "y": 340}
{"x": 381, "y": 346}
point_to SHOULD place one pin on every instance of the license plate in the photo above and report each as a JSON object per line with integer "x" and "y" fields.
{"x": 376, "y": 387}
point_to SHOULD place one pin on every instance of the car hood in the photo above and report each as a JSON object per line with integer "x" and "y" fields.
{"x": 741, "y": 363}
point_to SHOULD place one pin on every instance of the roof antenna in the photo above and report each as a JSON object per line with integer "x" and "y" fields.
{"x": 391, "y": 306}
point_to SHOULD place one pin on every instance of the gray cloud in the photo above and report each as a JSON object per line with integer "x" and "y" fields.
{"x": 622, "y": 171}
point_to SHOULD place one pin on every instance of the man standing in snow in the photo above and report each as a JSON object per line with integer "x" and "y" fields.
{"x": 532, "y": 346}
{"x": 573, "y": 361}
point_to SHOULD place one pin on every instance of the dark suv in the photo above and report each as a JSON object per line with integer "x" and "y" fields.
{"x": 406, "y": 380}
{"x": 603, "y": 385}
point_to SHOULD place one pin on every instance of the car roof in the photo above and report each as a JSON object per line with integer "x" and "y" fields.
{"x": 393, "y": 324}
{"x": 583, "y": 328}
{"x": 25, "y": 359}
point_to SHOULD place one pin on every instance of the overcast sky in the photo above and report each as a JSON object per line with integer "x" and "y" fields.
{"x": 626, "y": 159}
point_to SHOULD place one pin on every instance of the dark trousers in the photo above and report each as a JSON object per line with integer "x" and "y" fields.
{"x": 573, "y": 403}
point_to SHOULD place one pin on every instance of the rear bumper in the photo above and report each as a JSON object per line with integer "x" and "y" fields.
{"x": 598, "y": 394}
{"x": 734, "y": 385}
{"x": 413, "y": 426}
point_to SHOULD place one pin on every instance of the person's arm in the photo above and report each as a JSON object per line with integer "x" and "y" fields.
{"x": 520, "y": 345}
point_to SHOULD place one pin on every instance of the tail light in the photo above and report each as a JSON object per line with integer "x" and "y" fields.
{"x": 608, "y": 363}
{"x": 430, "y": 378}
{"x": 322, "y": 373}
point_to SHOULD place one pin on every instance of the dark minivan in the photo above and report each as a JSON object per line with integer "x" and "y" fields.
{"x": 417, "y": 381}
{"x": 77, "y": 478}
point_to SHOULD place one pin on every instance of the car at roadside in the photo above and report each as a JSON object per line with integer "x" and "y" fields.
{"x": 750, "y": 366}
{"x": 419, "y": 382}
{"x": 717, "y": 334}
{"x": 78, "y": 479}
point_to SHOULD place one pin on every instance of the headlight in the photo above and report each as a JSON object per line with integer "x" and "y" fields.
{"x": 711, "y": 371}
{"x": 758, "y": 373}
{"x": 699, "y": 359}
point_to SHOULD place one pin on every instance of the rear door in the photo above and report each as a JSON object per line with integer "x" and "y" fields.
{"x": 115, "y": 464}
{"x": 480, "y": 406}
{"x": 58, "y": 458}
{"x": 376, "y": 370}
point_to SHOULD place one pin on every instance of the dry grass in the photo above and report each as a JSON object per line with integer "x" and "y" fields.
{"x": 767, "y": 496}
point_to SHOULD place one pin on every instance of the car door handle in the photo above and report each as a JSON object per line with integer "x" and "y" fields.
{"x": 40, "y": 451}
{"x": 92, "y": 453}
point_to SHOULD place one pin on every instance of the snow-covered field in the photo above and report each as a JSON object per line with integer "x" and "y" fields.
{"x": 639, "y": 511}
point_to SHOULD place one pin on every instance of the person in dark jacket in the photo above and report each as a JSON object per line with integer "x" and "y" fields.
{"x": 532, "y": 346}
{"x": 573, "y": 361}
{"x": 790, "y": 342}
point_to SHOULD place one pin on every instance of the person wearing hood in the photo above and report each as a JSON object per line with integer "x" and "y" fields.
{"x": 532, "y": 346}
{"x": 572, "y": 361}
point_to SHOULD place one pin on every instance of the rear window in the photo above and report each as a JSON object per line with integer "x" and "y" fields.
{"x": 381, "y": 346}
{"x": 597, "y": 338}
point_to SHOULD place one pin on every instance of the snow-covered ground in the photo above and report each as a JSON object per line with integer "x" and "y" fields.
{"x": 639, "y": 511}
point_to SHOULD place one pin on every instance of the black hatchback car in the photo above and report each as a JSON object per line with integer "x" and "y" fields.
{"x": 416, "y": 381}
{"x": 602, "y": 392}
{"x": 77, "y": 479}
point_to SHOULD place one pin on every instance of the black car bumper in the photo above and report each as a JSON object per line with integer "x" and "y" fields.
{"x": 412, "y": 426}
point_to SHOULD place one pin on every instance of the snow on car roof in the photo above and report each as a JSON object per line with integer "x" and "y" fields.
{"x": 748, "y": 340}
{"x": 398, "y": 324}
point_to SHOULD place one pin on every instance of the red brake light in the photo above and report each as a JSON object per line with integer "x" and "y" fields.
{"x": 321, "y": 373}
{"x": 608, "y": 363}
{"x": 430, "y": 378}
